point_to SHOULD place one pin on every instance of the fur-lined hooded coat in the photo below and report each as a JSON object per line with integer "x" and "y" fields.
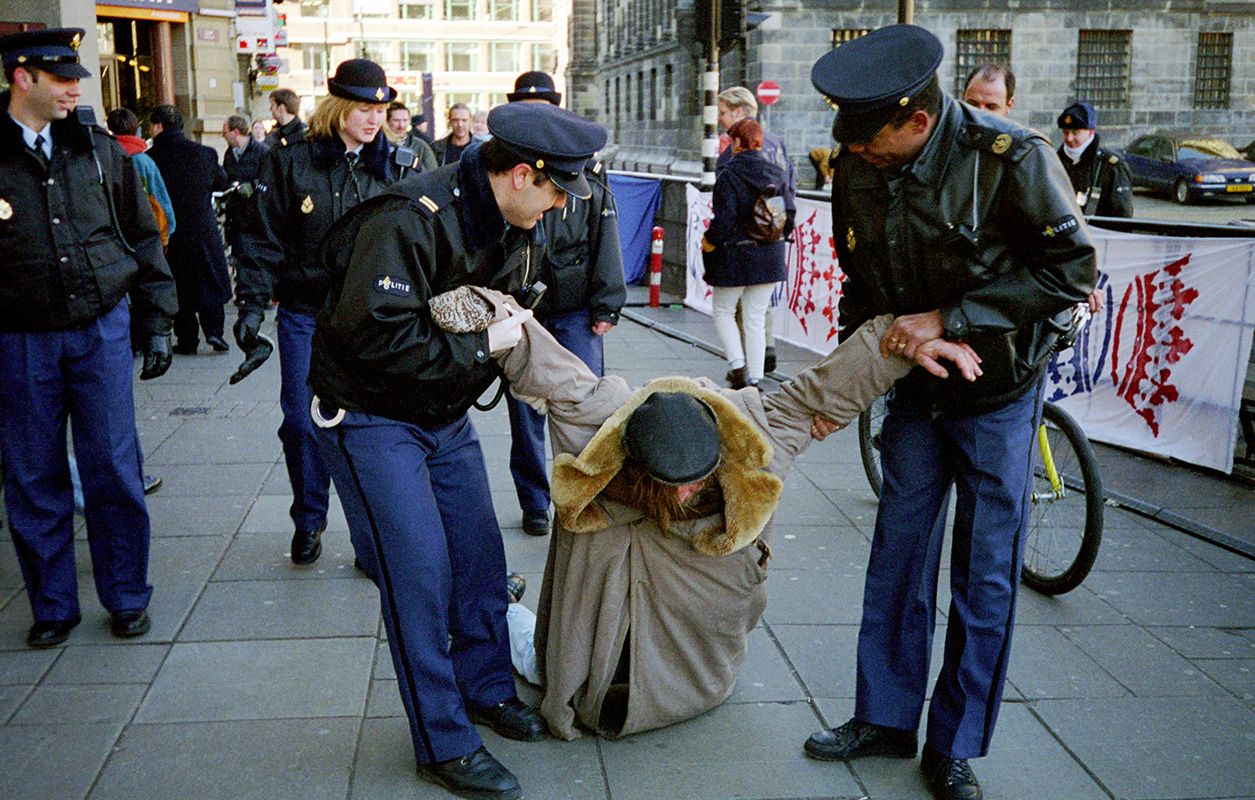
{"x": 680, "y": 601}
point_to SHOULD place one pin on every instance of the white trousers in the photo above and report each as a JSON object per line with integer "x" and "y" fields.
{"x": 754, "y": 301}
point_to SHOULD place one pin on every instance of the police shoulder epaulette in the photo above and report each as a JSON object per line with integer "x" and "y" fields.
{"x": 433, "y": 198}
{"x": 1009, "y": 144}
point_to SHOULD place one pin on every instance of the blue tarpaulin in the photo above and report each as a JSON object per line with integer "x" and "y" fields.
{"x": 637, "y": 200}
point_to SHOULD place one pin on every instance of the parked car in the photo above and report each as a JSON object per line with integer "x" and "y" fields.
{"x": 1190, "y": 167}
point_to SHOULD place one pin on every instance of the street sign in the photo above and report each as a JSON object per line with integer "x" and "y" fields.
{"x": 768, "y": 92}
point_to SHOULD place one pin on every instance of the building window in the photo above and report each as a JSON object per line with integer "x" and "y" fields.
{"x": 503, "y": 10}
{"x": 418, "y": 56}
{"x": 459, "y": 9}
{"x": 974, "y": 47}
{"x": 1102, "y": 67}
{"x": 497, "y": 98}
{"x": 314, "y": 8}
{"x": 1213, "y": 70}
{"x": 653, "y": 93}
{"x": 640, "y": 95}
{"x": 468, "y": 99}
{"x": 609, "y": 103}
{"x": 377, "y": 50}
{"x": 667, "y": 87}
{"x": 542, "y": 57}
{"x": 315, "y": 57}
{"x": 461, "y": 56}
{"x": 542, "y": 10}
{"x": 505, "y": 56}
{"x": 417, "y": 11}
{"x": 842, "y": 35}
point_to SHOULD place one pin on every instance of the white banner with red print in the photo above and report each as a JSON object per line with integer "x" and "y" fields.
{"x": 1160, "y": 369}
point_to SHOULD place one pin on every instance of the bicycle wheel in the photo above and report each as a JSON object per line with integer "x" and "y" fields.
{"x": 1065, "y": 517}
{"x": 869, "y": 423}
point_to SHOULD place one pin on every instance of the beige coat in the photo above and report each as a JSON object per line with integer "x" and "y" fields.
{"x": 683, "y": 600}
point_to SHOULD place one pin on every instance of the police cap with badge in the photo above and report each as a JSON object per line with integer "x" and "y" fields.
{"x": 534, "y": 85}
{"x": 549, "y": 139}
{"x": 869, "y": 78}
{"x": 1078, "y": 117}
{"x": 362, "y": 80}
{"x": 53, "y": 50}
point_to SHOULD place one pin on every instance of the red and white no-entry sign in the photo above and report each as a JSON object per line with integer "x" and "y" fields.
{"x": 768, "y": 92}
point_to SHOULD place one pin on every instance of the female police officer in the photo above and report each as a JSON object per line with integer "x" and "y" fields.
{"x": 303, "y": 187}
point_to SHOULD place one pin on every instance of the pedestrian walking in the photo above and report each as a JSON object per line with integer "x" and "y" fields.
{"x": 242, "y": 165}
{"x": 965, "y": 225}
{"x": 743, "y": 250}
{"x": 583, "y": 274}
{"x": 393, "y": 393}
{"x": 285, "y": 108}
{"x": 402, "y": 135}
{"x": 304, "y": 186}
{"x": 449, "y": 149}
{"x": 79, "y": 237}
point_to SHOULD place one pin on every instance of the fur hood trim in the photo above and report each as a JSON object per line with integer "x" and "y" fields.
{"x": 750, "y": 492}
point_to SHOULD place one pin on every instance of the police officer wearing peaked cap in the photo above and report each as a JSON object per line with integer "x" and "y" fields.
{"x": 583, "y": 270}
{"x": 963, "y": 225}
{"x": 304, "y": 186}
{"x": 1101, "y": 177}
{"x": 65, "y": 345}
{"x": 393, "y": 390}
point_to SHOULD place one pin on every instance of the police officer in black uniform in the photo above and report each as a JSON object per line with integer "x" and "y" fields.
{"x": 393, "y": 393}
{"x": 583, "y": 273}
{"x": 78, "y": 237}
{"x": 1101, "y": 177}
{"x": 964, "y": 225}
{"x": 303, "y": 187}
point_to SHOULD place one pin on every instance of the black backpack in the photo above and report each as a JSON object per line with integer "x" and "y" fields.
{"x": 767, "y": 219}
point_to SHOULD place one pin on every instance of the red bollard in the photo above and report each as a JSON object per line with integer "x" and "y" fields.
{"x": 655, "y": 268}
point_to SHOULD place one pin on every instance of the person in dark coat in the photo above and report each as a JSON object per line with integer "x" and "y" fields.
{"x": 303, "y": 187}
{"x": 284, "y": 107}
{"x": 196, "y": 253}
{"x": 242, "y": 163}
{"x": 743, "y": 260}
{"x": 78, "y": 237}
{"x": 1100, "y": 177}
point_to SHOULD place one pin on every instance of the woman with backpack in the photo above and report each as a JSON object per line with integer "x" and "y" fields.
{"x": 744, "y": 249}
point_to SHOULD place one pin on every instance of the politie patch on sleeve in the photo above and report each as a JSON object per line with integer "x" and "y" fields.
{"x": 390, "y": 285}
{"x": 1061, "y": 226}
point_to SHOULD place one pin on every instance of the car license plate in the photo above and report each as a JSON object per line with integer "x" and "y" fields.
{"x": 1238, "y": 187}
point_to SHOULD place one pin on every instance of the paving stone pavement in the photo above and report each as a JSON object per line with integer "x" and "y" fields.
{"x": 264, "y": 680}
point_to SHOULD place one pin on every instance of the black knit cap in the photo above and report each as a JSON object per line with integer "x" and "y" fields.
{"x": 550, "y": 139}
{"x": 675, "y": 437}
{"x": 867, "y": 79}
{"x": 53, "y": 50}
{"x": 534, "y": 85}
{"x": 362, "y": 80}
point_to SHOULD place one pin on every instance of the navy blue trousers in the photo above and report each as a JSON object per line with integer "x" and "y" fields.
{"x": 421, "y": 519}
{"x": 573, "y": 331}
{"x": 307, "y": 468}
{"x": 82, "y": 375}
{"x": 987, "y": 457}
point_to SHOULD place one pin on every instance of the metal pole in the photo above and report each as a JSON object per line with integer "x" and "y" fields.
{"x": 906, "y": 10}
{"x": 710, "y": 108}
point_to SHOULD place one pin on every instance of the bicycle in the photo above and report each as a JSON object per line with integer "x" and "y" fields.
{"x": 1065, "y": 520}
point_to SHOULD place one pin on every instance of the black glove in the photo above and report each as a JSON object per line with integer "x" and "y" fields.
{"x": 247, "y": 324}
{"x": 156, "y": 357}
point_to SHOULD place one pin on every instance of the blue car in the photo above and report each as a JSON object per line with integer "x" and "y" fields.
{"x": 1188, "y": 168}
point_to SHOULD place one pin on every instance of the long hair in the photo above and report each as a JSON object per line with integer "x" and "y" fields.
{"x": 329, "y": 115}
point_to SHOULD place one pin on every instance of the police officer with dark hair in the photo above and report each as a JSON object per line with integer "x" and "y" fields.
{"x": 583, "y": 273}
{"x": 964, "y": 224}
{"x": 1101, "y": 177}
{"x": 393, "y": 390}
{"x": 78, "y": 237}
{"x": 302, "y": 188}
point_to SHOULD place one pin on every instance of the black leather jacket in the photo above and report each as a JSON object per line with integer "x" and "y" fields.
{"x": 376, "y": 348}
{"x": 1102, "y": 181}
{"x": 65, "y": 262}
{"x": 583, "y": 266}
{"x": 303, "y": 187}
{"x": 983, "y": 226}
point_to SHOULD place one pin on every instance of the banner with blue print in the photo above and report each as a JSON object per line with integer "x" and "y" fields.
{"x": 637, "y": 200}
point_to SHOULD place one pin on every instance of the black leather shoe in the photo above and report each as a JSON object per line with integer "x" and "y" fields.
{"x": 512, "y": 719}
{"x": 217, "y": 343}
{"x": 858, "y": 739}
{"x": 515, "y": 587}
{"x": 949, "y": 778}
{"x": 736, "y": 378}
{"x": 184, "y": 349}
{"x": 50, "y": 633}
{"x": 130, "y": 623}
{"x": 151, "y": 483}
{"x": 536, "y": 523}
{"x": 769, "y": 360}
{"x": 307, "y": 545}
{"x": 477, "y": 776}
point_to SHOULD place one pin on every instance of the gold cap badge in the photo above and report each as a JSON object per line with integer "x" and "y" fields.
{"x": 379, "y": 93}
{"x": 904, "y": 100}
{"x": 6, "y": 210}
{"x": 75, "y": 41}
{"x": 307, "y": 205}
{"x": 540, "y": 163}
